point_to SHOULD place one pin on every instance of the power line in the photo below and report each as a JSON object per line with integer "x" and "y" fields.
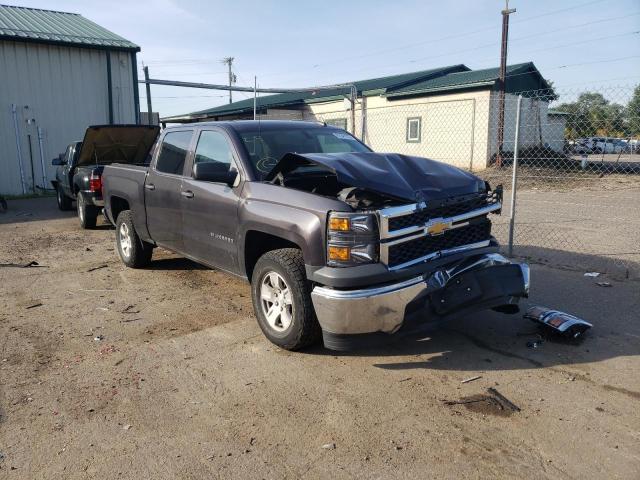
{"x": 196, "y": 61}
{"x": 527, "y": 19}
{"x": 449, "y": 37}
{"x": 480, "y": 47}
{"x": 186, "y": 96}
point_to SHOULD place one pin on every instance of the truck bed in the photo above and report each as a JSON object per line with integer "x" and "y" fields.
{"x": 125, "y": 181}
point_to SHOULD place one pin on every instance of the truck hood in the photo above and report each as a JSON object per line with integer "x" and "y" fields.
{"x": 400, "y": 176}
{"x": 106, "y": 144}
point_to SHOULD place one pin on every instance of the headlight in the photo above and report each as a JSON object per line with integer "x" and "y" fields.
{"x": 352, "y": 239}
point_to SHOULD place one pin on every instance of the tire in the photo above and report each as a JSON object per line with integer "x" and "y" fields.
{"x": 64, "y": 202}
{"x": 133, "y": 251}
{"x": 293, "y": 324}
{"x": 87, "y": 214}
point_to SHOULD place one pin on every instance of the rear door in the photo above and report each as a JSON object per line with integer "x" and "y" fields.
{"x": 210, "y": 210}
{"x": 163, "y": 189}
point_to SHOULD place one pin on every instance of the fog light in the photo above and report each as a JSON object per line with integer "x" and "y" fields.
{"x": 339, "y": 224}
{"x": 342, "y": 254}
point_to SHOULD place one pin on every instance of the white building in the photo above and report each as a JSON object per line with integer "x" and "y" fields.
{"x": 448, "y": 114}
{"x": 59, "y": 73}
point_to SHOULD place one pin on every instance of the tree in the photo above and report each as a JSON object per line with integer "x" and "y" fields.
{"x": 592, "y": 114}
{"x": 632, "y": 113}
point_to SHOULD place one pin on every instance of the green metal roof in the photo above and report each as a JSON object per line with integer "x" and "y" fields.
{"x": 521, "y": 77}
{"x": 49, "y": 26}
{"x": 373, "y": 86}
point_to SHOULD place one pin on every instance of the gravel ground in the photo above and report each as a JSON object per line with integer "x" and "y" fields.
{"x": 163, "y": 373}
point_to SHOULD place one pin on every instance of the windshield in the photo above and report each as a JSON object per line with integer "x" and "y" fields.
{"x": 267, "y": 147}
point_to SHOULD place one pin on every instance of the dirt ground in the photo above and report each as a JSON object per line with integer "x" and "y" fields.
{"x": 109, "y": 372}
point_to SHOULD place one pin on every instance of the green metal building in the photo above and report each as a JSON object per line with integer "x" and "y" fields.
{"x": 59, "y": 73}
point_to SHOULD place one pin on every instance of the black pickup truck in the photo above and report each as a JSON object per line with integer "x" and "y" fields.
{"x": 337, "y": 241}
{"x": 79, "y": 172}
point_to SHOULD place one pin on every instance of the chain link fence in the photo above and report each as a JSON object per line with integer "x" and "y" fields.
{"x": 578, "y": 162}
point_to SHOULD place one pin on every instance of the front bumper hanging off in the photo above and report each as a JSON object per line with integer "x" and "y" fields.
{"x": 475, "y": 283}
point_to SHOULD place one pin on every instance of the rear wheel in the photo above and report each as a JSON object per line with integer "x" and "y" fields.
{"x": 133, "y": 251}
{"x": 64, "y": 202}
{"x": 87, "y": 214}
{"x": 282, "y": 300}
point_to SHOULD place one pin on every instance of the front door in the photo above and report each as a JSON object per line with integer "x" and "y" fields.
{"x": 163, "y": 189}
{"x": 210, "y": 210}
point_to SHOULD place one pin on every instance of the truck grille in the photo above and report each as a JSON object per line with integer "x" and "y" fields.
{"x": 402, "y": 253}
{"x": 412, "y": 233}
{"x": 449, "y": 207}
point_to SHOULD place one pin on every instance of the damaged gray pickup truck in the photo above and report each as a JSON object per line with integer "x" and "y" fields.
{"x": 338, "y": 242}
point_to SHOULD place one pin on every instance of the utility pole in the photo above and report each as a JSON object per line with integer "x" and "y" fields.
{"x": 232, "y": 78}
{"x": 255, "y": 96}
{"x": 148, "y": 90}
{"x": 502, "y": 78}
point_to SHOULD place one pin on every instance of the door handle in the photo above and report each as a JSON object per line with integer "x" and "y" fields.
{"x": 149, "y": 186}
{"x": 187, "y": 194}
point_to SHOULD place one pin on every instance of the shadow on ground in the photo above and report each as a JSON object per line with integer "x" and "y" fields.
{"x": 621, "y": 265}
{"x": 175, "y": 264}
{"x": 490, "y": 341}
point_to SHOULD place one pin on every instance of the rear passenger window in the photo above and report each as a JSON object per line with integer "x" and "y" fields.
{"x": 173, "y": 152}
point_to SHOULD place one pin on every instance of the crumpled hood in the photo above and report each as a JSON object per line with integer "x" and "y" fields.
{"x": 401, "y": 176}
{"x": 106, "y": 144}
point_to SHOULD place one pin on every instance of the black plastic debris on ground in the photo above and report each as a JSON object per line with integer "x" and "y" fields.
{"x": 569, "y": 326}
{"x": 32, "y": 263}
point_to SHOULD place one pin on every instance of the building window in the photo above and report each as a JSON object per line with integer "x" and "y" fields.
{"x": 337, "y": 122}
{"x": 414, "y": 129}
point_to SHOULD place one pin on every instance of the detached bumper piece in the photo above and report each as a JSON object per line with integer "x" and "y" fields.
{"x": 566, "y": 325}
{"x": 348, "y": 317}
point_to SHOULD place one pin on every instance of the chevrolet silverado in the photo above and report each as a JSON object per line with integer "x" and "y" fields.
{"x": 338, "y": 242}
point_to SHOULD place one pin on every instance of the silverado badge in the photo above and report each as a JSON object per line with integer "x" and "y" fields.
{"x": 436, "y": 227}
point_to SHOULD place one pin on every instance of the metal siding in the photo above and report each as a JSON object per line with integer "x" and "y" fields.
{"x": 122, "y": 81}
{"x": 65, "y": 89}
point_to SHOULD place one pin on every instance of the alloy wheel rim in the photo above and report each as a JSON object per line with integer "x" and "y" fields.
{"x": 276, "y": 301}
{"x": 125, "y": 240}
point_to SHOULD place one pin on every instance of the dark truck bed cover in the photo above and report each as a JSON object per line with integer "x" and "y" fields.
{"x": 107, "y": 144}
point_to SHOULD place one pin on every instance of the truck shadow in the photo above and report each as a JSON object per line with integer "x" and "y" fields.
{"x": 33, "y": 210}
{"x": 490, "y": 341}
{"x": 175, "y": 263}
{"x": 41, "y": 209}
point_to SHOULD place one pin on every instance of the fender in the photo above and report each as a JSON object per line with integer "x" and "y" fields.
{"x": 301, "y": 227}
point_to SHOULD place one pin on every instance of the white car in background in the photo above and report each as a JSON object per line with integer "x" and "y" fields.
{"x": 595, "y": 145}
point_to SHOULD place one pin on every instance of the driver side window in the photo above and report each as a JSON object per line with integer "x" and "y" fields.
{"x": 215, "y": 148}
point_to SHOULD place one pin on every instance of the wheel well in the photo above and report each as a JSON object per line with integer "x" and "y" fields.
{"x": 118, "y": 204}
{"x": 257, "y": 244}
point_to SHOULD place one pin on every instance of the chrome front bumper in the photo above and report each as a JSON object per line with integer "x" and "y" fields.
{"x": 490, "y": 280}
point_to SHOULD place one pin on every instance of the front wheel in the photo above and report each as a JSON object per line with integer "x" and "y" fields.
{"x": 282, "y": 300}
{"x": 87, "y": 214}
{"x": 133, "y": 251}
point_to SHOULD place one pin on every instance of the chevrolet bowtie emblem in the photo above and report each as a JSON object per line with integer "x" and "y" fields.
{"x": 436, "y": 227}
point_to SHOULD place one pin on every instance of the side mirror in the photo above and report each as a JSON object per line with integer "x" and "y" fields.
{"x": 214, "y": 172}
{"x": 59, "y": 160}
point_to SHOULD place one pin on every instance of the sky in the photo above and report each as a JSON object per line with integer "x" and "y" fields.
{"x": 578, "y": 44}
